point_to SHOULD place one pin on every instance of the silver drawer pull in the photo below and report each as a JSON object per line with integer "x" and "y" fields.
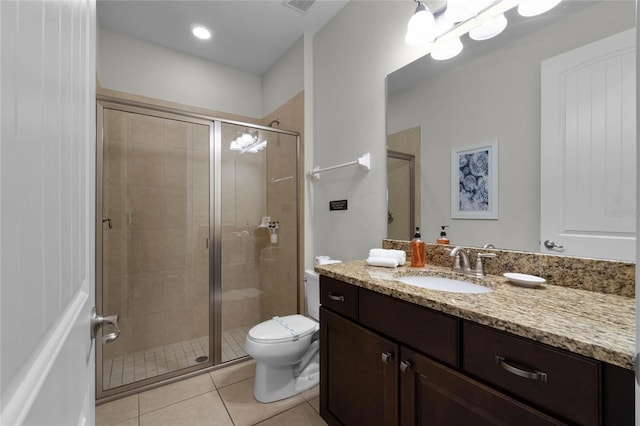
{"x": 387, "y": 357}
{"x": 532, "y": 375}
{"x": 405, "y": 366}
{"x": 336, "y": 297}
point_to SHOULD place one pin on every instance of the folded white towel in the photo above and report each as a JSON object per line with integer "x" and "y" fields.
{"x": 328, "y": 261}
{"x": 382, "y": 261}
{"x": 399, "y": 255}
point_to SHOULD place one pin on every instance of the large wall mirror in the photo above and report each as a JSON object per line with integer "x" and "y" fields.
{"x": 490, "y": 92}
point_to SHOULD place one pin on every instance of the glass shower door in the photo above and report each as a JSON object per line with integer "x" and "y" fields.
{"x": 155, "y": 269}
{"x": 259, "y": 230}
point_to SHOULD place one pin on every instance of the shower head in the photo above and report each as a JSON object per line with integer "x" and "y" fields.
{"x": 276, "y": 121}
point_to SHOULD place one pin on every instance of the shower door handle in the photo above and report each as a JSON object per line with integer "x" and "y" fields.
{"x": 96, "y": 321}
{"x": 108, "y": 220}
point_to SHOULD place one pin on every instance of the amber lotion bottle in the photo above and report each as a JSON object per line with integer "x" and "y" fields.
{"x": 418, "y": 250}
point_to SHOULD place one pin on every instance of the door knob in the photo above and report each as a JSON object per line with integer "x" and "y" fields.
{"x": 96, "y": 321}
{"x": 551, "y": 245}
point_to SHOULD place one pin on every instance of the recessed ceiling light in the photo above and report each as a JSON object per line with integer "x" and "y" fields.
{"x": 201, "y": 32}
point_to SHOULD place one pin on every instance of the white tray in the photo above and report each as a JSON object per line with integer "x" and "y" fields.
{"x": 524, "y": 280}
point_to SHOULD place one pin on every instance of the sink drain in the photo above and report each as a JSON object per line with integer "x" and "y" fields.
{"x": 202, "y": 358}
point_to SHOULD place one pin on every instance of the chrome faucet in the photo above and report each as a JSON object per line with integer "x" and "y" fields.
{"x": 462, "y": 264}
{"x": 459, "y": 253}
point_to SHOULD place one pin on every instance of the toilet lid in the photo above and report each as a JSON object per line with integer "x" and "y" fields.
{"x": 283, "y": 329}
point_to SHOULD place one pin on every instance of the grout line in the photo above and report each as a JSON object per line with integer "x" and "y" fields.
{"x": 224, "y": 404}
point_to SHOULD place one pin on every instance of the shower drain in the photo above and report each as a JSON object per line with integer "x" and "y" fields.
{"x": 202, "y": 358}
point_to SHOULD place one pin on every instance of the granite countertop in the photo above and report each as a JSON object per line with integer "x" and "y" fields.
{"x": 597, "y": 325}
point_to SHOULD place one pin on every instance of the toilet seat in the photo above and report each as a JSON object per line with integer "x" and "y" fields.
{"x": 283, "y": 329}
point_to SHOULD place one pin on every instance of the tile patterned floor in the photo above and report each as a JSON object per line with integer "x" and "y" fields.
{"x": 222, "y": 397}
{"x": 233, "y": 343}
{"x": 125, "y": 369}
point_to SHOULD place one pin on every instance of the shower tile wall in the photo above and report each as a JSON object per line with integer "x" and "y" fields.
{"x": 281, "y": 203}
{"x": 279, "y": 270}
{"x": 156, "y": 266}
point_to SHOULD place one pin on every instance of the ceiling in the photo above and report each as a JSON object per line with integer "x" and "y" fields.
{"x": 247, "y": 34}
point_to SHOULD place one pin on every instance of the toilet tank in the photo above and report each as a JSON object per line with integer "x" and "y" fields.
{"x": 312, "y": 293}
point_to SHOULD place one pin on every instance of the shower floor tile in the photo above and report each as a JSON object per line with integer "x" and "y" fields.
{"x": 125, "y": 369}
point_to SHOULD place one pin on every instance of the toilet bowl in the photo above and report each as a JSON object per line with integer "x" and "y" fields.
{"x": 286, "y": 349}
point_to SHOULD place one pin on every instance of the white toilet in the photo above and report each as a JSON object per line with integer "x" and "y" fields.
{"x": 286, "y": 349}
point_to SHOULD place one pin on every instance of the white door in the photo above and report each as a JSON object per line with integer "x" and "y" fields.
{"x": 588, "y": 150}
{"x": 47, "y": 189}
{"x": 400, "y": 194}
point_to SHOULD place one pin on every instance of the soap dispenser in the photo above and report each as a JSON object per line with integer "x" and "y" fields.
{"x": 418, "y": 250}
{"x": 443, "y": 239}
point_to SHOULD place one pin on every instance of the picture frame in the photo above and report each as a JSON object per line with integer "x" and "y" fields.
{"x": 474, "y": 182}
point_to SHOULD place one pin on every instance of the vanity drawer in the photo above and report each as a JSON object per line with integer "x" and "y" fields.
{"x": 339, "y": 296}
{"x": 565, "y": 384}
{"x": 433, "y": 333}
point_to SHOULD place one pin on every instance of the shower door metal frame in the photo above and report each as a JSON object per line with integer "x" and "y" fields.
{"x": 214, "y": 242}
{"x": 136, "y": 386}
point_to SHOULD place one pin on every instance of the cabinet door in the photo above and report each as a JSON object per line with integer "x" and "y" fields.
{"x": 432, "y": 394}
{"x": 358, "y": 374}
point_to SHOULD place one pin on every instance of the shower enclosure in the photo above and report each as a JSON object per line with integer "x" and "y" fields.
{"x": 198, "y": 243}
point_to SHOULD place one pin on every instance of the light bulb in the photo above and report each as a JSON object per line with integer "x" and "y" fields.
{"x": 489, "y": 29}
{"x": 447, "y": 49}
{"x": 421, "y": 29}
{"x": 234, "y": 145}
{"x": 461, "y": 10}
{"x": 201, "y": 32}
{"x": 536, "y": 7}
{"x": 246, "y": 139}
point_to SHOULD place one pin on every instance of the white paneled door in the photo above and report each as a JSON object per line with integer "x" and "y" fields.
{"x": 588, "y": 150}
{"x": 47, "y": 213}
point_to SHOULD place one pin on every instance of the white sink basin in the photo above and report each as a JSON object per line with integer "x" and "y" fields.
{"x": 443, "y": 284}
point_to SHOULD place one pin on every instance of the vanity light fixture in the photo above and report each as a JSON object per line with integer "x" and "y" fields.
{"x": 481, "y": 19}
{"x": 201, "y": 32}
{"x": 536, "y": 7}
{"x": 421, "y": 29}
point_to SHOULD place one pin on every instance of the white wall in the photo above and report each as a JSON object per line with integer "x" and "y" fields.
{"x": 284, "y": 79}
{"x": 495, "y": 97}
{"x": 353, "y": 54}
{"x": 134, "y": 66}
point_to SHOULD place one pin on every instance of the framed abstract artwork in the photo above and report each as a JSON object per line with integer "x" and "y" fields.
{"x": 474, "y": 182}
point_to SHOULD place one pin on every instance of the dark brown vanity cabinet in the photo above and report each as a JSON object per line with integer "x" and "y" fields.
{"x": 384, "y": 361}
